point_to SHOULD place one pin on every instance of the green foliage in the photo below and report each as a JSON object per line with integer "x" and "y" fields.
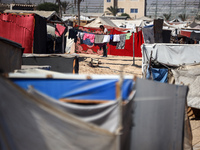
{"x": 167, "y": 16}
{"x": 183, "y": 17}
{"x": 125, "y": 14}
{"x": 48, "y": 7}
{"x": 113, "y": 10}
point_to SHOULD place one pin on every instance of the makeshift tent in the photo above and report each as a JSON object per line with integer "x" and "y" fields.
{"x": 19, "y": 29}
{"x": 65, "y": 63}
{"x": 175, "y": 57}
{"x": 75, "y": 88}
{"x": 31, "y": 123}
{"x": 36, "y": 36}
{"x": 10, "y": 55}
{"x": 101, "y": 21}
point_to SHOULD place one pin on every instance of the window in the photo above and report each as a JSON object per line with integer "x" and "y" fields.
{"x": 121, "y": 10}
{"x": 108, "y": 1}
{"x": 134, "y": 10}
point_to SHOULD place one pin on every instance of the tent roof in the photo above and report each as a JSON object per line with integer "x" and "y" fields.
{"x": 101, "y": 21}
{"x": 144, "y": 18}
{"x": 46, "y": 14}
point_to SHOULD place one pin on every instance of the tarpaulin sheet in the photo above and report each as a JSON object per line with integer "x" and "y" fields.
{"x": 18, "y": 28}
{"x": 29, "y": 123}
{"x": 111, "y": 50}
{"x": 159, "y": 114}
{"x": 96, "y": 89}
{"x": 190, "y": 76}
{"x": 10, "y": 55}
{"x": 104, "y": 115}
{"x": 137, "y": 43}
{"x": 171, "y": 54}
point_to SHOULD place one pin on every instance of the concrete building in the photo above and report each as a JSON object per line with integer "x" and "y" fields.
{"x": 135, "y": 8}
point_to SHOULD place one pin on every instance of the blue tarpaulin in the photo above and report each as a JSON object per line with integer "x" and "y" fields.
{"x": 158, "y": 74}
{"x": 98, "y": 89}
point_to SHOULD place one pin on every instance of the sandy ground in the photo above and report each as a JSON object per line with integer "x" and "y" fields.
{"x": 116, "y": 65}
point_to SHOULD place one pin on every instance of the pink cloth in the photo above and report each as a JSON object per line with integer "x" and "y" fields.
{"x": 59, "y": 30}
{"x": 89, "y": 36}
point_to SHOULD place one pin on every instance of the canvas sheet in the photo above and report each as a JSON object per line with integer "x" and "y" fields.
{"x": 158, "y": 118}
{"x": 104, "y": 115}
{"x": 170, "y": 54}
{"x": 27, "y": 123}
{"x": 190, "y": 76}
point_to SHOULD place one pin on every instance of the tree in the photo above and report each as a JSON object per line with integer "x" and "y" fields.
{"x": 167, "y": 16}
{"x": 66, "y": 5}
{"x": 113, "y": 10}
{"x": 78, "y": 2}
{"x": 48, "y": 7}
{"x": 125, "y": 14}
{"x": 183, "y": 17}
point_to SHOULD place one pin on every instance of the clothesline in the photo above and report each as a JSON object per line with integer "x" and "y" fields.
{"x": 99, "y": 39}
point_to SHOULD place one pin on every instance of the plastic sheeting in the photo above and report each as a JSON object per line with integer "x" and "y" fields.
{"x": 101, "y": 89}
{"x": 76, "y": 88}
{"x": 105, "y": 115}
{"x": 27, "y": 123}
{"x": 18, "y": 28}
{"x": 170, "y": 54}
{"x": 190, "y": 76}
{"x": 158, "y": 117}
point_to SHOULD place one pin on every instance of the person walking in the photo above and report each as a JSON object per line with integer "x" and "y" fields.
{"x": 104, "y": 31}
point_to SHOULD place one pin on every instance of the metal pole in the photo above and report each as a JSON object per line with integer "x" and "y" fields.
{"x": 133, "y": 50}
{"x": 156, "y": 9}
{"x": 170, "y": 6}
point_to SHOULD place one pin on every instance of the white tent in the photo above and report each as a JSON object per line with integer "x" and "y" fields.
{"x": 101, "y": 21}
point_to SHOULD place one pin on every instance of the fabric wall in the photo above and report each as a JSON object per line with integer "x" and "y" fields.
{"x": 137, "y": 44}
{"x": 27, "y": 123}
{"x": 159, "y": 114}
{"x": 18, "y": 28}
{"x": 40, "y": 35}
{"x": 111, "y": 50}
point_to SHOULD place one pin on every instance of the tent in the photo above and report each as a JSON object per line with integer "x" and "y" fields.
{"x": 161, "y": 107}
{"x": 176, "y": 58}
{"x": 101, "y": 21}
{"x": 29, "y": 28}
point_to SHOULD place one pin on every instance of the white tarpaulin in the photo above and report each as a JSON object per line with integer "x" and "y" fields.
{"x": 190, "y": 76}
{"x": 170, "y": 54}
{"x": 27, "y": 123}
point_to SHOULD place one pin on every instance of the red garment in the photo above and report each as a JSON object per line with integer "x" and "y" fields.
{"x": 89, "y": 36}
{"x": 185, "y": 33}
{"x": 137, "y": 44}
{"x": 59, "y": 30}
{"x": 18, "y": 28}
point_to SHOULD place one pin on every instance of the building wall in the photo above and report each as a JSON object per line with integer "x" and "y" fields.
{"x": 127, "y": 5}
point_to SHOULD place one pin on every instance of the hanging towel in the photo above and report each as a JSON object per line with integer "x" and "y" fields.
{"x": 98, "y": 39}
{"x": 111, "y": 37}
{"x": 116, "y": 38}
{"x": 89, "y": 36}
{"x": 59, "y": 30}
{"x": 121, "y": 44}
{"x": 128, "y": 36}
{"x": 106, "y": 39}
